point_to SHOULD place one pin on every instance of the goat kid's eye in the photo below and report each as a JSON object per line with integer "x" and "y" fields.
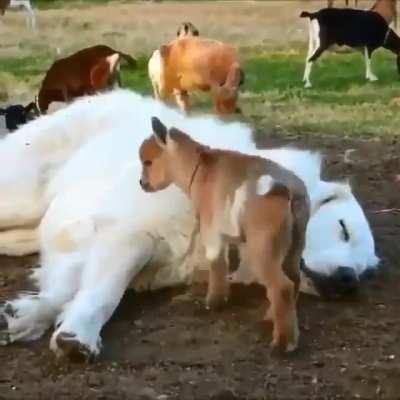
{"x": 147, "y": 163}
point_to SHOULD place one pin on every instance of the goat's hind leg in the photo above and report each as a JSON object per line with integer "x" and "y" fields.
{"x": 369, "y": 75}
{"x": 281, "y": 294}
{"x": 311, "y": 49}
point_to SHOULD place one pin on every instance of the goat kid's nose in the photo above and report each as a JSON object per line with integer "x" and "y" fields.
{"x": 346, "y": 278}
{"x": 145, "y": 185}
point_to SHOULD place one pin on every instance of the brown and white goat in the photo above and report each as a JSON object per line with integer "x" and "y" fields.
{"x": 187, "y": 29}
{"x": 192, "y": 63}
{"x": 387, "y": 9}
{"x": 239, "y": 199}
{"x": 86, "y": 72}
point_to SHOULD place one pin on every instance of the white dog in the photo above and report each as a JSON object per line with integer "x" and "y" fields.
{"x": 70, "y": 188}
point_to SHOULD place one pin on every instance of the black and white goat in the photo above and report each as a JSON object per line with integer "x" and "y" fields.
{"x": 359, "y": 29}
{"x": 18, "y": 114}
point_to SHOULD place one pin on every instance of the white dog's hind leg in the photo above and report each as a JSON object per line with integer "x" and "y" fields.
{"x": 114, "y": 261}
{"x": 30, "y": 315}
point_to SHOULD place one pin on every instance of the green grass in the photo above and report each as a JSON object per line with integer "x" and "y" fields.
{"x": 340, "y": 103}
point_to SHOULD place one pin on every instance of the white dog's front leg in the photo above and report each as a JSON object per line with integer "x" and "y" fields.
{"x": 115, "y": 259}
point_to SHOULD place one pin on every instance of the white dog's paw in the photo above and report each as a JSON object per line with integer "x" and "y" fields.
{"x": 20, "y": 320}
{"x": 4, "y": 334}
{"x": 68, "y": 345}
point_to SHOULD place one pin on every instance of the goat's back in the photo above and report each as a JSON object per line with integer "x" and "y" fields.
{"x": 76, "y": 67}
{"x": 351, "y": 27}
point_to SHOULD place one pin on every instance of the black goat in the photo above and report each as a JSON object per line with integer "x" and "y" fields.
{"x": 355, "y": 28}
{"x": 18, "y": 115}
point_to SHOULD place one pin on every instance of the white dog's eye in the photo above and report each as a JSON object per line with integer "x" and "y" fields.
{"x": 346, "y": 235}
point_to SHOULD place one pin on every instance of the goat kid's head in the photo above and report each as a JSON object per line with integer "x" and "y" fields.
{"x": 226, "y": 95}
{"x": 187, "y": 29}
{"x": 153, "y": 154}
{"x": 167, "y": 157}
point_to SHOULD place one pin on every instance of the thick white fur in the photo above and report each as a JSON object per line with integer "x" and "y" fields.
{"x": 77, "y": 172}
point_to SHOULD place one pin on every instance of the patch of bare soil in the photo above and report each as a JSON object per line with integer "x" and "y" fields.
{"x": 165, "y": 345}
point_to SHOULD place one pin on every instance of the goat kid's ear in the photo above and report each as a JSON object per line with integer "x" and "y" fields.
{"x": 160, "y": 131}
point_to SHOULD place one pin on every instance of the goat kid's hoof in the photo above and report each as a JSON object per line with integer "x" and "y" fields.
{"x": 308, "y": 85}
{"x": 67, "y": 346}
{"x": 216, "y": 303}
{"x": 279, "y": 348}
{"x": 372, "y": 79}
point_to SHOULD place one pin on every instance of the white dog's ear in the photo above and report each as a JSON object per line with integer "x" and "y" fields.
{"x": 160, "y": 131}
{"x": 329, "y": 191}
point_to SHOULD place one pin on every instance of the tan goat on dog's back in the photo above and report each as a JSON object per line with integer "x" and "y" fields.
{"x": 225, "y": 188}
{"x": 191, "y": 63}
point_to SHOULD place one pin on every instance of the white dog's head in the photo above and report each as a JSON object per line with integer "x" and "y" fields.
{"x": 340, "y": 248}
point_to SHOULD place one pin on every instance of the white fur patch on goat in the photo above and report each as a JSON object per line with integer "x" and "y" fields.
{"x": 264, "y": 184}
{"x": 156, "y": 71}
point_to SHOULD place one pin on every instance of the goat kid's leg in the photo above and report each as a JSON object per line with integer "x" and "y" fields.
{"x": 369, "y": 75}
{"x": 30, "y": 315}
{"x": 281, "y": 292}
{"x": 104, "y": 281}
{"x": 215, "y": 253}
{"x": 182, "y": 100}
{"x": 218, "y": 284}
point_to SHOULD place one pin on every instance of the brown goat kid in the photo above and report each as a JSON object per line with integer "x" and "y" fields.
{"x": 268, "y": 222}
{"x": 193, "y": 63}
{"x": 86, "y": 72}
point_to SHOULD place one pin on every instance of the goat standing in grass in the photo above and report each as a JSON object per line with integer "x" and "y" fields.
{"x": 26, "y": 4}
{"x": 85, "y": 72}
{"x": 354, "y": 28}
{"x": 239, "y": 199}
{"x": 197, "y": 64}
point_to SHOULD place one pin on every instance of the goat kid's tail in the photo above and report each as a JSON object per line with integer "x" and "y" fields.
{"x": 129, "y": 59}
{"x": 306, "y": 14}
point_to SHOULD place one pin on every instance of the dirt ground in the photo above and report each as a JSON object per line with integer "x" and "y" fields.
{"x": 165, "y": 345}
